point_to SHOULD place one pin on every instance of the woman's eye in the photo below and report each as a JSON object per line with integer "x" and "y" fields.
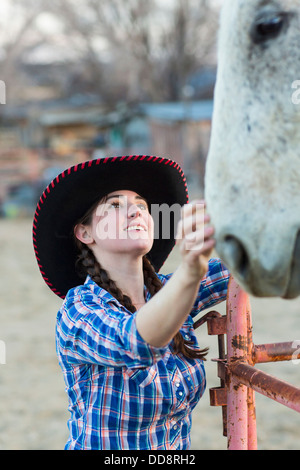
{"x": 143, "y": 207}
{"x": 115, "y": 204}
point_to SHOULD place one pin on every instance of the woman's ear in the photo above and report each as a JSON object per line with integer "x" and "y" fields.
{"x": 83, "y": 233}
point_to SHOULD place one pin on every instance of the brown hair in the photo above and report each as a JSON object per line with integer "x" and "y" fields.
{"x": 87, "y": 264}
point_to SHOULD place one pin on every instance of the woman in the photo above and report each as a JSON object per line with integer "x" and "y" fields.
{"x": 125, "y": 340}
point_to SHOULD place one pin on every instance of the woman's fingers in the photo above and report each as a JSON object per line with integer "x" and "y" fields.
{"x": 199, "y": 243}
{"x": 192, "y": 228}
{"x": 193, "y": 208}
{"x": 192, "y": 217}
{"x": 195, "y": 237}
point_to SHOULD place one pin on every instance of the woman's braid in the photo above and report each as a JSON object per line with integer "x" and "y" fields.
{"x": 88, "y": 264}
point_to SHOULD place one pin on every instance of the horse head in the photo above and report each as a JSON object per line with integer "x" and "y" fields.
{"x": 252, "y": 180}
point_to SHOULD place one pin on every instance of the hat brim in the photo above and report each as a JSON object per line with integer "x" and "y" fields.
{"x": 72, "y": 193}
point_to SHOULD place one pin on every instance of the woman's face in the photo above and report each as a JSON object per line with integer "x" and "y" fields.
{"x": 120, "y": 224}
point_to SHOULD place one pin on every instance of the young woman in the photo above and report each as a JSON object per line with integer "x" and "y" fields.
{"x": 125, "y": 340}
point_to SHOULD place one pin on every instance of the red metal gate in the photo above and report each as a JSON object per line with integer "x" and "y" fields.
{"x": 239, "y": 378}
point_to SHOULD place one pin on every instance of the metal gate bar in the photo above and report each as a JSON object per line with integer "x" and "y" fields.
{"x": 267, "y": 385}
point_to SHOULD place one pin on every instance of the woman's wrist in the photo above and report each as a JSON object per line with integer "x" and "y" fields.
{"x": 191, "y": 275}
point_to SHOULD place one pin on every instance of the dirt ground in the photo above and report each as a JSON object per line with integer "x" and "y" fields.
{"x": 33, "y": 403}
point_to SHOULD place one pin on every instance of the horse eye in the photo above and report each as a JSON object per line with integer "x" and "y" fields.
{"x": 268, "y": 27}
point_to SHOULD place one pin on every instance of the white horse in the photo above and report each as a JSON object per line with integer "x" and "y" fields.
{"x": 253, "y": 167}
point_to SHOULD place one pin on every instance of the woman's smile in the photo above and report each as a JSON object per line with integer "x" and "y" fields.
{"x": 138, "y": 228}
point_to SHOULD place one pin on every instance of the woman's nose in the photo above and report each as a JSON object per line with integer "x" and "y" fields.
{"x": 134, "y": 211}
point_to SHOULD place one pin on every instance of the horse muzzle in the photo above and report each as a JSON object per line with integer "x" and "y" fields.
{"x": 259, "y": 270}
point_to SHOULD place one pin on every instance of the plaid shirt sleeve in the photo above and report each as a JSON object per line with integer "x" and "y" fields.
{"x": 91, "y": 330}
{"x": 213, "y": 287}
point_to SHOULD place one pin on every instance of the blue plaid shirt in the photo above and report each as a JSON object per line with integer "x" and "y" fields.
{"x": 124, "y": 393}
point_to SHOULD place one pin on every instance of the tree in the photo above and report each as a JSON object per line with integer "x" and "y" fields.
{"x": 152, "y": 48}
{"x": 130, "y": 50}
{"x": 14, "y": 41}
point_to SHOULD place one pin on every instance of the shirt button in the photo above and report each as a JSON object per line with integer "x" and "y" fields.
{"x": 187, "y": 336}
{"x": 177, "y": 384}
{"x": 180, "y": 394}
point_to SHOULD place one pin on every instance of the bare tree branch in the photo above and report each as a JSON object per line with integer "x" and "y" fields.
{"x": 133, "y": 49}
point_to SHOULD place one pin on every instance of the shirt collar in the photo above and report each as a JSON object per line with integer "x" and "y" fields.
{"x": 100, "y": 292}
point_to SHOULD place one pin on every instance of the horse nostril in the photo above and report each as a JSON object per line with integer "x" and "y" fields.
{"x": 235, "y": 253}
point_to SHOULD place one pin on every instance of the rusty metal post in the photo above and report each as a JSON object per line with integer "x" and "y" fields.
{"x": 252, "y": 432}
{"x": 241, "y": 421}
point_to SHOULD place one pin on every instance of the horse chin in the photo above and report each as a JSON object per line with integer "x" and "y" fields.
{"x": 262, "y": 288}
{"x": 260, "y": 280}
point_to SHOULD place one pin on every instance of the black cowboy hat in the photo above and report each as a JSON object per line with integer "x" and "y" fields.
{"x": 75, "y": 190}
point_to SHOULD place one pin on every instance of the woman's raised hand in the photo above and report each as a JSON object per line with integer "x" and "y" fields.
{"x": 195, "y": 238}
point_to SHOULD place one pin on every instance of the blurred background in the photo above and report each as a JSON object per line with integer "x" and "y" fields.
{"x": 85, "y": 79}
{"x": 88, "y": 78}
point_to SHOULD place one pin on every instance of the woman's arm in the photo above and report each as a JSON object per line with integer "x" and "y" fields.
{"x": 91, "y": 330}
{"x": 160, "y": 319}
{"x": 213, "y": 287}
